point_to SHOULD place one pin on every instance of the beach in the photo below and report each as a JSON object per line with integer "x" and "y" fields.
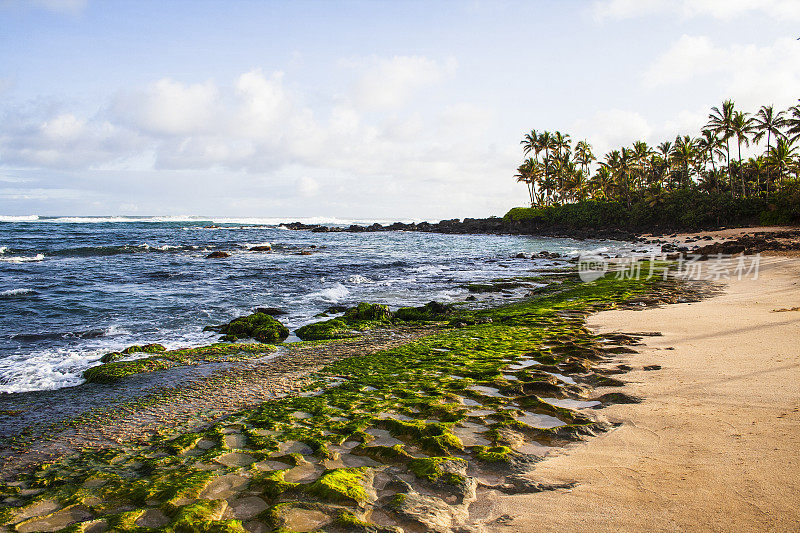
{"x": 537, "y": 403}
{"x": 713, "y": 446}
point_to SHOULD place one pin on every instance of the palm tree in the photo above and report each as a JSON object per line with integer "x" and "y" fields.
{"x": 709, "y": 145}
{"x": 781, "y": 157}
{"x": 720, "y": 121}
{"x": 684, "y": 153}
{"x": 641, "y": 153}
{"x": 604, "y": 182}
{"x": 563, "y": 146}
{"x": 664, "y": 150}
{"x": 584, "y": 155}
{"x": 742, "y": 126}
{"x": 545, "y": 142}
{"x": 767, "y": 122}
{"x": 530, "y": 143}
{"x": 792, "y": 122}
{"x": 525, "y": 175}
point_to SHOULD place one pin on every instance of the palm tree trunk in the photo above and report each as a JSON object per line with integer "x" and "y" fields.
{"x": 741, "y": 174}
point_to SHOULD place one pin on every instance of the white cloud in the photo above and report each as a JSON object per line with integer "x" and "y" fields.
{"x": 752, "y": 75}
{"x": 307, "y": 186}
{"x": 63, "y": 128}
{"x": 719, "y": 9}
{"x": 390, "y": 83}
{"x": 168, "y": 107}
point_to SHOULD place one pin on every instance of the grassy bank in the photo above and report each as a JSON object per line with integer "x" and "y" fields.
{"x": 412, "y": 421}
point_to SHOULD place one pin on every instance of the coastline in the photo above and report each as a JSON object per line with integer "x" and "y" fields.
{"x": 408, "y": 436}
{"x": 468, "y": 423}
{"x": 713, "y": 446}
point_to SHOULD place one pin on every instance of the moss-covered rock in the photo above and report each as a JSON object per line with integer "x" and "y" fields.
{"x": 116, "y": 370}
{"x": 259, "y": 326}
{"x": 110, "y": 372}
{"x": 343, "y": 485}
{"x": 446, "y": 469}
{"x": 429, "y": 311}
{"x": 361, "y": 317}
{"x": 366, "y": 311}
{"x": 329, "y": 329}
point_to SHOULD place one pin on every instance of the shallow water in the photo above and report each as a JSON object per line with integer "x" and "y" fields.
{"x": 74, "y": 289}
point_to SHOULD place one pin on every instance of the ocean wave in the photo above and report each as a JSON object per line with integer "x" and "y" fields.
{"x": 23, "y": 218}
{"x": 111, "y": 331}
{"x": 334, "y": 294}
{"x": 99, "y": 251}
{"x": 23, "y": 259}
{"x": 357, "y": 279}
{"x": 3, "y": 249}
{"x": 17, "y": 293}
{"x": 45, "y": 370}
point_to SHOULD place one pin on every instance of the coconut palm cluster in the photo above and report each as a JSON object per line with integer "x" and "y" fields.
{"x": 558, "y": 172}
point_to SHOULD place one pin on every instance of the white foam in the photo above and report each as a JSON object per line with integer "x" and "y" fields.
{"x": 333, "y": 294}
{"x": 24, "y": 218}
{"x": 358, "y": 279}
{"x": 3, "y": 249}
{"x": 46, "y": 370}
{"x": 16, "y": 292}
{"x": 35, "y": 258}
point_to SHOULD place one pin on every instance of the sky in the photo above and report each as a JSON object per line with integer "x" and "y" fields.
{"x": 354, "y": 110}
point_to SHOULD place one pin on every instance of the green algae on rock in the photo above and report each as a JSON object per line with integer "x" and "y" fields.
{"x": 326, "y": 330}
{"x": 114, "y": 371}
{"x": 259, "y": 326}
{"x": 410, "y": 397}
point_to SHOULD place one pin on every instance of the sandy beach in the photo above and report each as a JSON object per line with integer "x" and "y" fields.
{"x": 713, "y": 446}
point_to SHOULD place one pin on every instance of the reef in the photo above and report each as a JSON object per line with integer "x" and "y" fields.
{"x": 400, "y": 439}
{"x": 113, "y": 369}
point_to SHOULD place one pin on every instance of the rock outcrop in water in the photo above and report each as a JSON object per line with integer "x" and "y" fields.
{"x": 218, "y": 255}
{"x": 259, "y": 326}
{"x": 491, "y": 225}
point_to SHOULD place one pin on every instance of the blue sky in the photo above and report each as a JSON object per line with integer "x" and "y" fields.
{"x": 390, "y": 110}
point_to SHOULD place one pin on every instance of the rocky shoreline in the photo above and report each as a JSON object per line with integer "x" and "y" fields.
{"x": 782, "y": 240}
{"x": 398, "y": 430}
{"x": 483, "y": 226}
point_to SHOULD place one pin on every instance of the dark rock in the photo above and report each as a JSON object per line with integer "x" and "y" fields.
{"x": 218, "y": 255}
{"x": 271, "y": 311}
{"x": 264, "y": 248}
{"x": 618, "y": 397}
{"x": 259, "y": 326}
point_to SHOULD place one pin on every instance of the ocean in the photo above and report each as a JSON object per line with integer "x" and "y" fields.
{"x": 75, "y": 288}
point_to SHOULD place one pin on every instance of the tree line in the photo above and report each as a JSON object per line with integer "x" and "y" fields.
{"x": 556, "y": 172}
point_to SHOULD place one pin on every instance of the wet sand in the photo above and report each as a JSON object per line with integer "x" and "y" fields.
{"x": 715, "y": 446}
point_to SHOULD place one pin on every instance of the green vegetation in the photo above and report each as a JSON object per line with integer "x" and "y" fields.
{"x": 328, "y": 329}
{"x": 341, "y": 484}
{"x": 431, "y": 311}
{"x": 259, "y": 326}
{"x": 422, "y": 393}
{"x": 367, "y": 312}
{"x": 688, "y": 183}
{"x": 366, "y": 316}
{"x": 114, "y": 371}
{"x": 436, "y": 468}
